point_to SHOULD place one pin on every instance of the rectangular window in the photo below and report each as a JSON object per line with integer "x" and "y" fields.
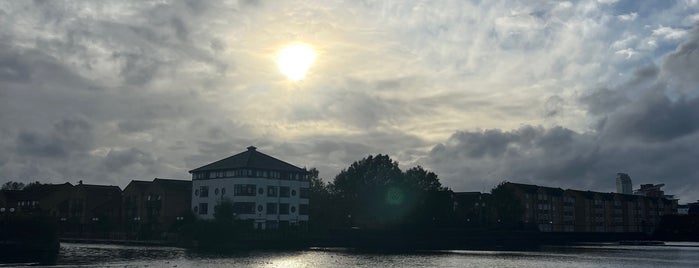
{"x": 203, "y": 208}
{"x": 283, "y": 191}
{"x": 271, "y": 208}
{"x": 244, "y": 190}
{"x": 283, "y": 209}
{"x": 244, "y": 207}
{"x": 304, "y": 192}
{"x": 303, "y": 209}
{"x": 204, "y": 191}
{"x": 272, "y": 191}
{"x": 212, "y": 175}
{"x": 271, "y": 225}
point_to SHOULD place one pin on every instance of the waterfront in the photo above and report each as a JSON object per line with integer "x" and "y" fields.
{"x": 602, "y": 255}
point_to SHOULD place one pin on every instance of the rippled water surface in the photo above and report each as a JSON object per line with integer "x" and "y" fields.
{"x": 671, "y": 255}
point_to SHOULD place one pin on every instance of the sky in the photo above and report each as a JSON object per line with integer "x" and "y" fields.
{"x": 554, "y": 93}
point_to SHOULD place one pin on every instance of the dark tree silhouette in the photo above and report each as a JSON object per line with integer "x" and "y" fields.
{"x": 321, "y": 207}
{"x": 223, "y": 212}
{"x": 13, "y": 185}
{"x": 507, "y": 206}
{"x": 369, "y": 192}
{"x": 32, "y": 185}
{"x": 423, "y": 180}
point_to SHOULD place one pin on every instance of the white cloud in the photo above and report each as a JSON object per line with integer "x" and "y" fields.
{"x": 628, "y": 17}
{"x": 669, "y": 33}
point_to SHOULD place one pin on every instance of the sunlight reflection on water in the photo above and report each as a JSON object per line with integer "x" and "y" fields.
{"x": 92, "y": 255}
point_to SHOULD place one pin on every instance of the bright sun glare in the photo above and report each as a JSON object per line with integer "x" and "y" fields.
{"x": 295, "y": 59}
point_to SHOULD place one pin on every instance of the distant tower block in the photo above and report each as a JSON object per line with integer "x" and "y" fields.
{"x": 623, "y": 184}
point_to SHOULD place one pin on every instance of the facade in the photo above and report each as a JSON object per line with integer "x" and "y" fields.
{"x": 45, "y": 199}
{"x": 558, "y": 210}
{"x": 154, "y": 207}
{"x": 623, "y": 184}
{"x": 266, "y": 191}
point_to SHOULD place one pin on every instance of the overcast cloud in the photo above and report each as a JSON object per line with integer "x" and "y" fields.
{"x": 557, "y": 93}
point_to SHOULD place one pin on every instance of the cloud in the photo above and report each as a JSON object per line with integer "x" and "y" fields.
{"x": 645, "y": 128}
{"x": 165, "y": 87}
{"x": 628, "y": 17}
{"x": 67, "y": 137}
{"x": 669, "y": 33}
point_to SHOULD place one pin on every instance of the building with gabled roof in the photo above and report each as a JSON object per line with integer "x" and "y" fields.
{"x": 267, "y": 191}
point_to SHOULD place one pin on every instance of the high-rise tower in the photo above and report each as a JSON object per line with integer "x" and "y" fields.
{"x": 623, "y": 183}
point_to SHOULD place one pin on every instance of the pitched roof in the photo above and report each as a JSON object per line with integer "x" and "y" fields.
{"x": 250, "y": 159}
{"x": 138, "y": 185}
{"x": 175, "y": 185}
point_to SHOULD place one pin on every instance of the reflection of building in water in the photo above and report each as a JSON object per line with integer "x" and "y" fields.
{"x": 264, "y": 190}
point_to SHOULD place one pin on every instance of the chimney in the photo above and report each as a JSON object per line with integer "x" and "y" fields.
{"x": 252, "y": 148}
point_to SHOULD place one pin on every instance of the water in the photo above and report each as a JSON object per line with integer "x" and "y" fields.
{"x": 608, "y": 255}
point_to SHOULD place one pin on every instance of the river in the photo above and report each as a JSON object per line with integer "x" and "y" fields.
{"x": 600, "y": 255}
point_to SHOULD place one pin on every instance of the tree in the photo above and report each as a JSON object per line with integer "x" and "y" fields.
{"x": 423, "y": 180}
{"x": 13, "y": 185}
{"x": 223, "y": 212}
{"x": 32, "y": 185}
{"x": 370, "y": 192}
{"x": 507, "y": 206}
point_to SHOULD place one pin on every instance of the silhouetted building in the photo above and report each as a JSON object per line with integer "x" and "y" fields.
{"x": 623, "y": 184}
{"x": 45, "y": 199}
{"x": 650, "y": 190}
{"x": 94, "y": 209}
{"x": 558, "y": 210}
{"x": 264, "y": 190}
{"x": 152, "y": 208}
{"x": 472, "y": 208}
{"x": 693, "y": 208}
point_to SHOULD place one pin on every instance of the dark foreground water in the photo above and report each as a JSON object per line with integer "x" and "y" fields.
{"x": 606, "y": 255}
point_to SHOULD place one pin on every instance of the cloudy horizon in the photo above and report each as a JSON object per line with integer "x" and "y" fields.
{"x": 555, "y": 93}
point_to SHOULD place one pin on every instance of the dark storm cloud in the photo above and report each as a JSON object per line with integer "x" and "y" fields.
{"x": 66, "y": 137}
{"x": 655, "y": 118}
{"x": 646, "y": 129}
{"x": 12, "y": 68}
{"x": 117, "y": 160}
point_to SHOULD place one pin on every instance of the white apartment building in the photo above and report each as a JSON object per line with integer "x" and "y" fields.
{"x": 266, "y": 191}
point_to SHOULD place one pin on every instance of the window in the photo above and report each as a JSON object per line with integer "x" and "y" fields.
{"x": 223, "y": 191}
{"x": 293, "y": 192}
{"x": 244, "y": 190}
{"x": 283, "y": 191}
{"x": 293, "y": 209}
{"x": 203, "y": 208}
{"x": 261, "y": 191}
{"x": 196, "y": 192}
{"x": 271, "y": 224}
{"x": 271, "y": 208}
{"x": 283, "y": 209}
{"x": 272, "y": 191}
{"x": 260, "y": 208}
{"x": 244, "y": 207}
{"x": 216, "y": 191}
{"x": 204, "y": 191}
{"x": 304, "y": 192}
{"x": 303, "y": 209}
{"x": 229, "y": 173}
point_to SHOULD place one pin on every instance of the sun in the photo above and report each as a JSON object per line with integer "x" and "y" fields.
{"x": 295, "y": 59}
